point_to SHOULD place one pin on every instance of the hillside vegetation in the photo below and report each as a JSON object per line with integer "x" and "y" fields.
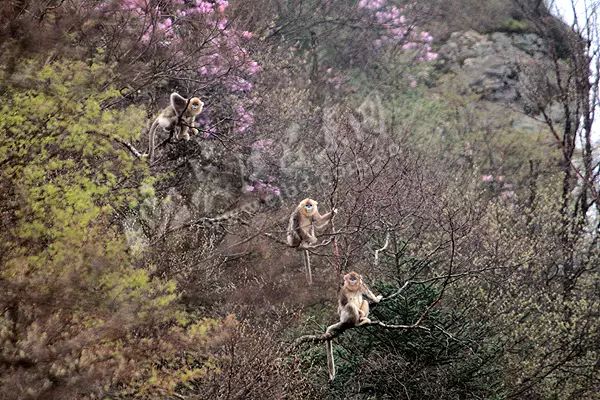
{"x": 455, "y": 139}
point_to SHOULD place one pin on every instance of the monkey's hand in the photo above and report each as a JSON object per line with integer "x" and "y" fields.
{"x": 378, "y": 298}
{"x": 334, "y": 211}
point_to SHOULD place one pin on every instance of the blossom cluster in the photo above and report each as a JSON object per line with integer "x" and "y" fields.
{"x": 397, "y": 30}
{"x": 223, "y": 58}
{"x": 263, "y": 188}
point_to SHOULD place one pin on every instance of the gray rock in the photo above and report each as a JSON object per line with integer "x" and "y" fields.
{"x": 489, "y": 64}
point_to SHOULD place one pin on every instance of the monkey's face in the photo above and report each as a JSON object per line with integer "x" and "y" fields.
{"x": 196, "y": 105}
{"x": 352, "y": 281}
{"x": 308, "y": 207}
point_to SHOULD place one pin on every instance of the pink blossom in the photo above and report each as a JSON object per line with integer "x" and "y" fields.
{"x": 426, "y": 37}
{"x": 133, "y": 4}
{"x": 263, "y": 188}
{"x": 244, "y": 119}
{"x": 239, "y": 84}
{"x": 487, "y": 178}
{"x": 203, "y": 7}
{"x": 371, "y": 4}
{"x": 395, "y": 29}
{"x": 252, "y": 67}
{"x": 247, "y": 35}
{"x": 430, "y": 56}
{"x": 262, "y": 144}
{"x": 146, "y": 37}
{"x": 222, "y": 5}
{"x": 165, "y": 25}
{"x": 507, "y": 195}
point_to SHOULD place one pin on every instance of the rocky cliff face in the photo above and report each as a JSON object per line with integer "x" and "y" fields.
{"x": 492, "y": 66}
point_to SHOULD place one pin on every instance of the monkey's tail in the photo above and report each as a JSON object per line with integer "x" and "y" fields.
{"x": 330, "y": 362}
{"x": 151, "y": 139}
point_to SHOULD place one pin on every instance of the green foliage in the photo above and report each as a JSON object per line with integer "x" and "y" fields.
{"x": 514, "y": 25}
{"x": 545, "y": 310}
{"x": 79, "y": 315}
{"x": 458, "y": 359}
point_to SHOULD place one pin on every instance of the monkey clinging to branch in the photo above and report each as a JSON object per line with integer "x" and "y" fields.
{"x": 180, "y": 113}
{"x": 303, "y": 221}
{"x": 352, "y": 309}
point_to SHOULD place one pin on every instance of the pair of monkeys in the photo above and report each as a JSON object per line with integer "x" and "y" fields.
{"x": 180, "y": 116}
{"x": 353, "y": 309}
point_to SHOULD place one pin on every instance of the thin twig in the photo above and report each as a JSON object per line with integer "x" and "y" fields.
{"x": 385, "y": 246}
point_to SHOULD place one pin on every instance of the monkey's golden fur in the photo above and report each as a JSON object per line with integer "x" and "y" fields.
{"x": 303, "y": 221}
{"x": 353, "y": 310}
{"x": 179, "y": 115}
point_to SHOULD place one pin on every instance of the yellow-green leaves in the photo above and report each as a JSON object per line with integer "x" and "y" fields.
{"x": 83, "y": 302}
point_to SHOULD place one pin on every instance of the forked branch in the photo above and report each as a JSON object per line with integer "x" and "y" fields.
{"x": 335, "y": 331}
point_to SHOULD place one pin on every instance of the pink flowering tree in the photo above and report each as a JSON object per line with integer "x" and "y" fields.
{"x": 394, "y": 28}
{"x": 331, "y": 37}
{"x": 320, "y": 53}
{"x": 197, "y": 48}
{"x": 188, "y": 46}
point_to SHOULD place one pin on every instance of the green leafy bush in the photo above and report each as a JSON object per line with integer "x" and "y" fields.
{"x": 79, "y": 315}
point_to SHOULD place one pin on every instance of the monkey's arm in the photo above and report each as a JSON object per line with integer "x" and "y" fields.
{"x": 323, "y": 220}
{"x": 367, "y": 292}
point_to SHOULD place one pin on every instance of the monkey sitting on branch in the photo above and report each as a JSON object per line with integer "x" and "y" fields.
{"x": 301, "y": 229}
{"x": 303, "y": 221}
{"x": 180, "y": 115}
{"x": 353, "y": 310}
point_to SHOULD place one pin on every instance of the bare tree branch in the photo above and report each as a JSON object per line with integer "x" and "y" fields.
{"x": 385, "y": 246}
{"x": 337, "y": 331}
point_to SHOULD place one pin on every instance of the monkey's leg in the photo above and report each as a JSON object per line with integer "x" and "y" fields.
{"x": 292, "y": 241}
{"x": 307, "y": 234}
{"x": 363, "y": 311}
{"x": 313, "y": 238}
{"x": 184, "y": 133}
{"x": 307, "y": 266}
{"x": 308, "y": 240}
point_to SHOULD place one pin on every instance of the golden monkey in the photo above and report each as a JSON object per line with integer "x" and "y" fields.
{"x": 180, "y": 113}
{"x": 303, "y": 221}
{"x": 353, "y": 310}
